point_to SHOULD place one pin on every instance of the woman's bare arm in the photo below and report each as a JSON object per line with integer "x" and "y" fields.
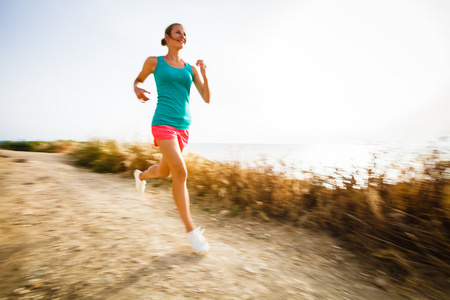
{"x": 147, "y": 69}
{"x": 202, "y": 87}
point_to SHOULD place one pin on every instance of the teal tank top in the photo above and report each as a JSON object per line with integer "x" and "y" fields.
{"x": 173, "y": 86}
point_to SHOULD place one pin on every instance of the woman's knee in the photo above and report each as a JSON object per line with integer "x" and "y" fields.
{"x": 179, "y": 173}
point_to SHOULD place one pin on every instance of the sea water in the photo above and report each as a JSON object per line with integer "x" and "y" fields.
{"x": 323, "y": 158}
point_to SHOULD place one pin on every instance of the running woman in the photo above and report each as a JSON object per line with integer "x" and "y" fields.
{"x": 171, "y": 122}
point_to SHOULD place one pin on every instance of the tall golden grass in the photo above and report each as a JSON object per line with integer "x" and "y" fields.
{"x": 401, "y": 227}
{"x": 60, "y": 146}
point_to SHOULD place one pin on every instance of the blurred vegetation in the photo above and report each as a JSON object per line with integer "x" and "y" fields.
{"x": 61, "y": 146}
{"x": 401, "y": 227}
{"x": 102, "y": 157}
{"x": 110, "y": 157}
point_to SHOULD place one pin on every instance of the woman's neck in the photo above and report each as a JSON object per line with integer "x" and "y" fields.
{"x": 174, "y": 55}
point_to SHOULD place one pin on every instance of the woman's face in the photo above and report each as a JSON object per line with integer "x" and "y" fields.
{"x": 178, "y": 37}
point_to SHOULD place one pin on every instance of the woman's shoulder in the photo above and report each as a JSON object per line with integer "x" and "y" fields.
{"x": 150, "y": 64}
{"x": 193, "y": 69}
{"x": 152, "y": 60}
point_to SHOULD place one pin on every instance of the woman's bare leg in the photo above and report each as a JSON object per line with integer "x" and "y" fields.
{"x": 160, "y": 170}
{"x": 172, "y": 162}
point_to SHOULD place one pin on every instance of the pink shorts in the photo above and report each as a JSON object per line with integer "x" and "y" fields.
{"x": 169, "y": 133}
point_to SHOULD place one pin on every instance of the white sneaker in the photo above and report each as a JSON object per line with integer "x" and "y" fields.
{"x": 140, "y": 184}
{"x": 198, "y": 242}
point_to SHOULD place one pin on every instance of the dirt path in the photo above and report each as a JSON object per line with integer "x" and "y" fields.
{"x": 68, "y": 233}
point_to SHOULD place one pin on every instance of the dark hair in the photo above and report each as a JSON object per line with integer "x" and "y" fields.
{"x": 168, "y": 32}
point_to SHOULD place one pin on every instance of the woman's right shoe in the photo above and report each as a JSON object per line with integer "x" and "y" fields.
{"x": 198, "y": 242}
{"x": 140, "y": 184}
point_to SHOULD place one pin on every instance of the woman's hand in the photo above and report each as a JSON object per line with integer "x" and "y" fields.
{"x": 201, "y": 64}
{"x": 140, "y": 94}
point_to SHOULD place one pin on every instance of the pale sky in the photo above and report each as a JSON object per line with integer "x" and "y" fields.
{"x": 279, "y": 71}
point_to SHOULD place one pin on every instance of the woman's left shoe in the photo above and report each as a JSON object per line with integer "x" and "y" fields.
{"x": 140, "y": 184}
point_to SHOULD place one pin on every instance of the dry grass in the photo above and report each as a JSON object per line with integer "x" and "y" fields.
{"x": 110, "y": 157}
{"x": 403, "y": 227}
{"x": 400, "y": 227}
{"x": 61, "y": 146}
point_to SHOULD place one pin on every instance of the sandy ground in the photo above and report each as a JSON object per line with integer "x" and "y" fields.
{"x": 68, "y": 233}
